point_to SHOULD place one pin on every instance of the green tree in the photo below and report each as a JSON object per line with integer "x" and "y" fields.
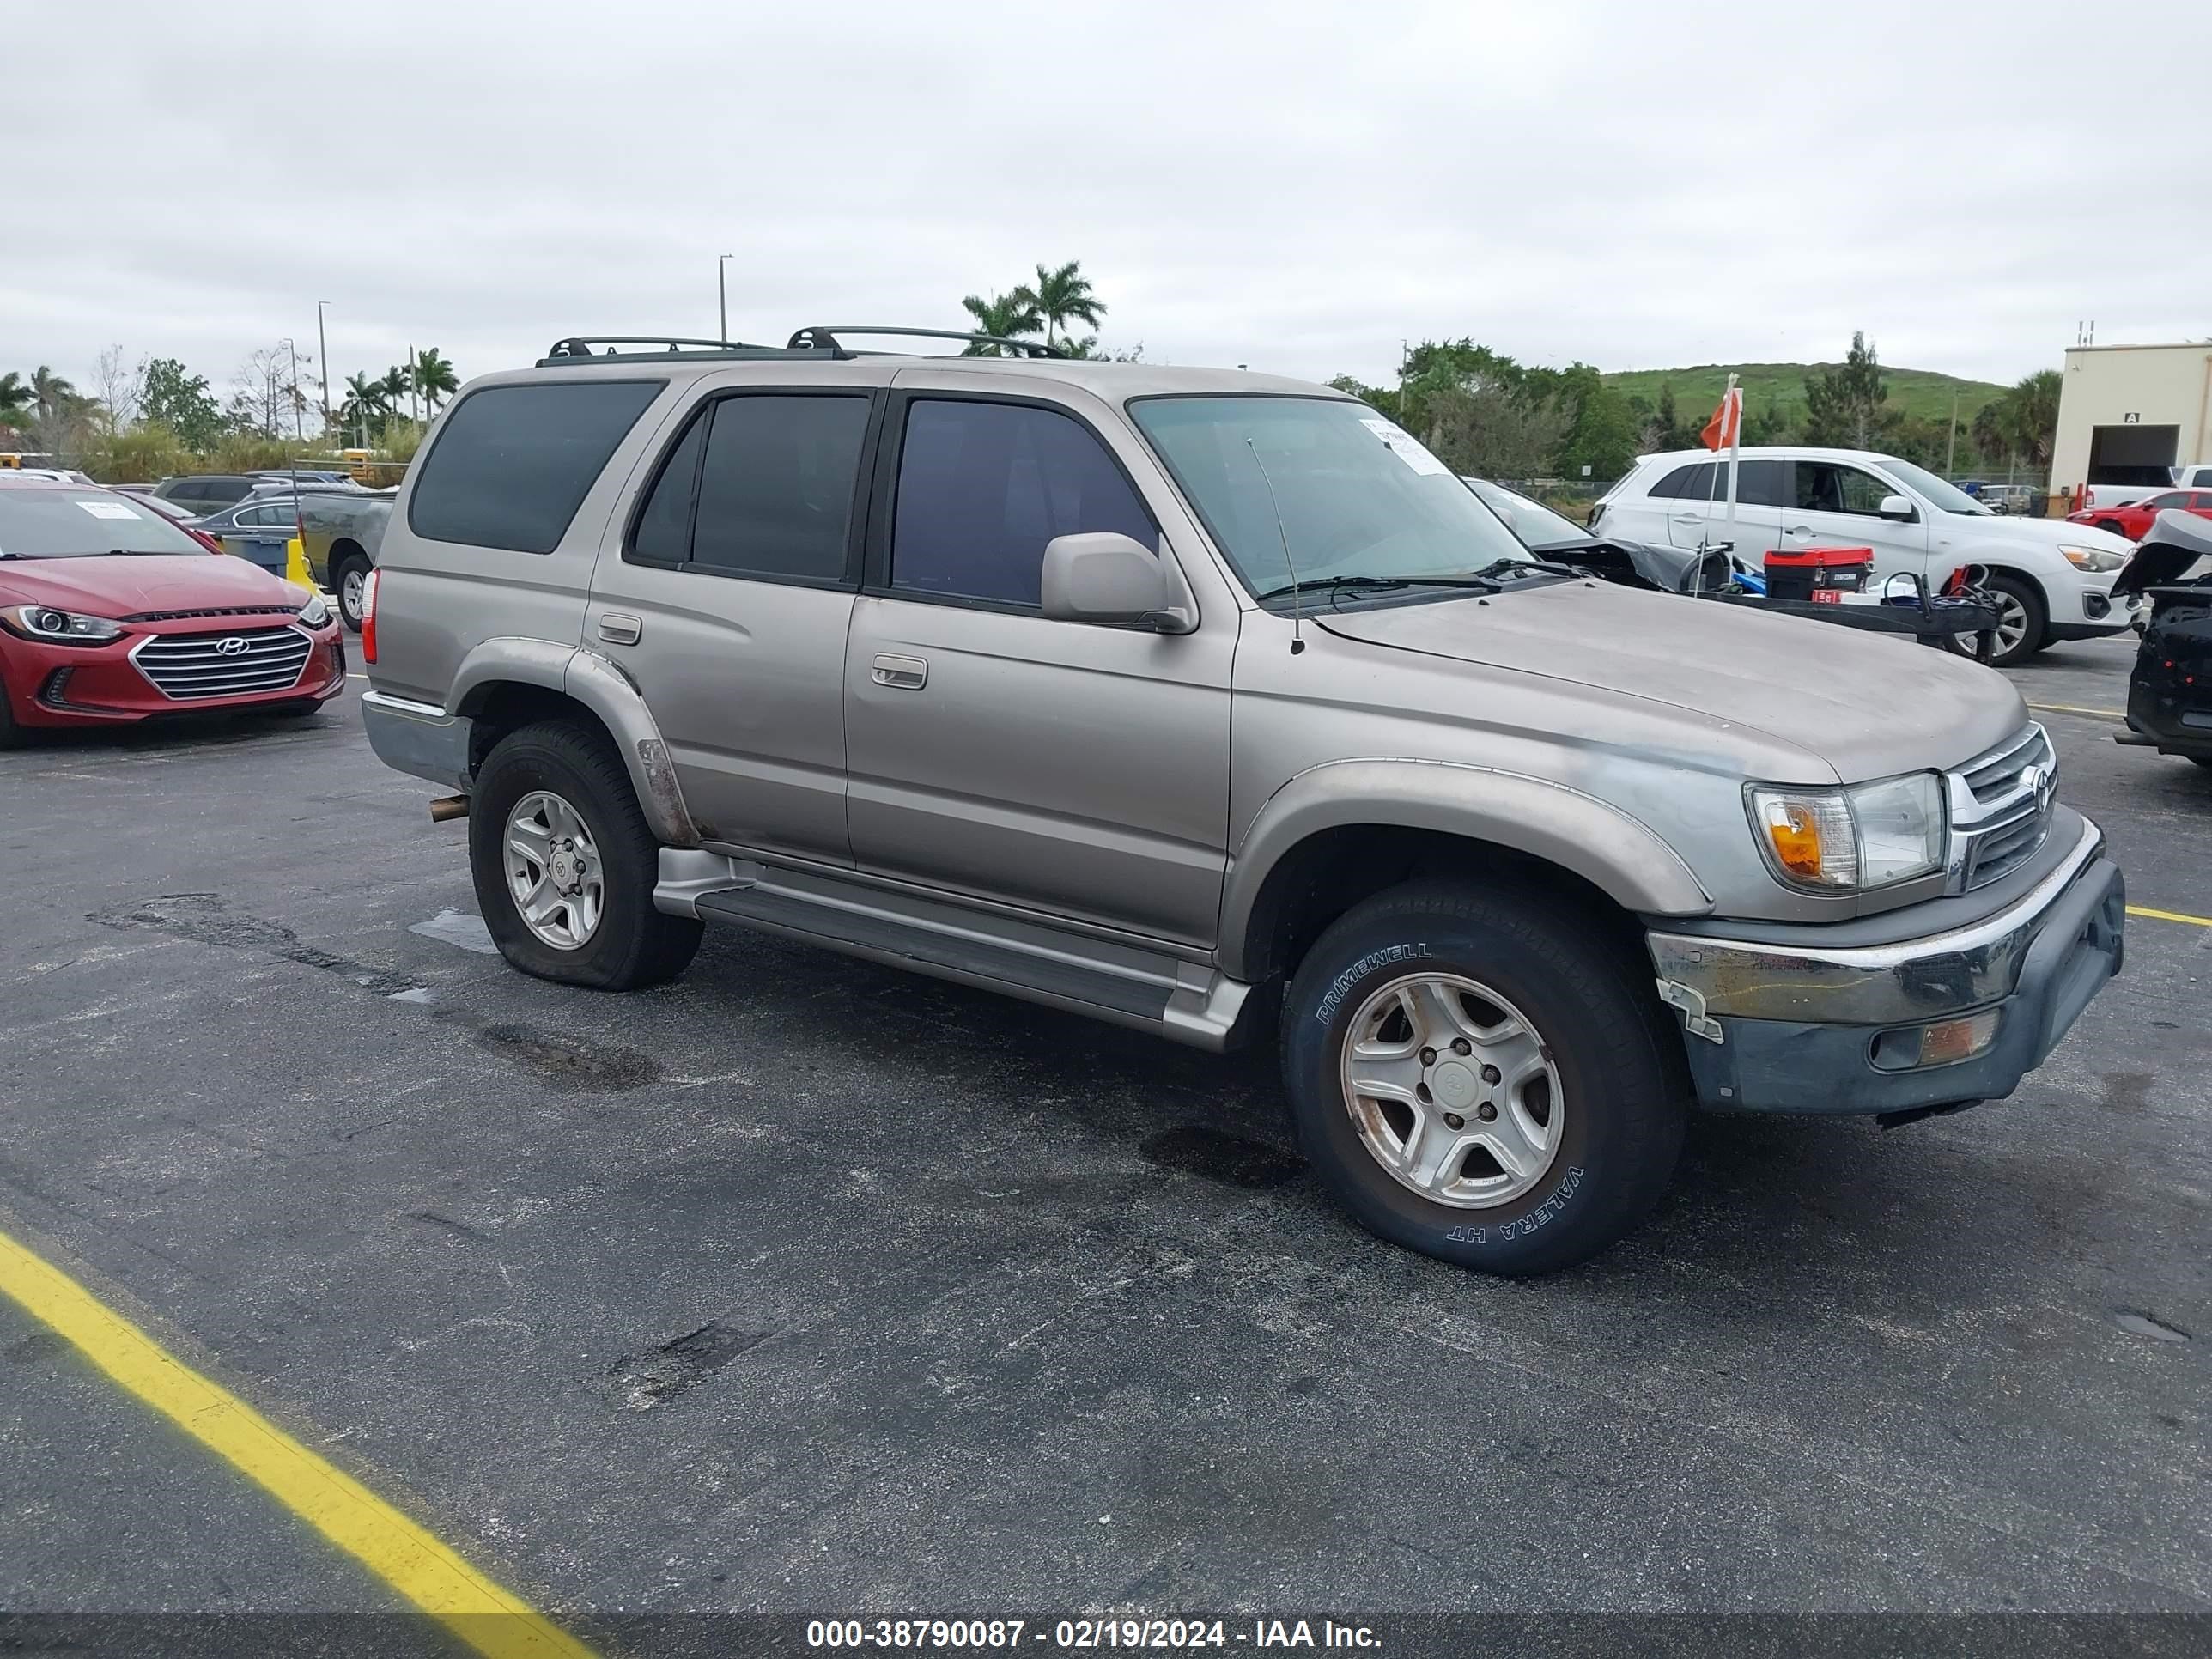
{"x": 16, "y": 398}
{"x": 1603, "y": 433}
{"x": 52, "y": 395}
{"x": 1843, "y": 406}
{"x": 1061, "y": 296}
{"x": 434, "y": 378}
{"x": 395, "y": 385}
{"x": 171, "y": 396}
{"x": 1008, "y": 316}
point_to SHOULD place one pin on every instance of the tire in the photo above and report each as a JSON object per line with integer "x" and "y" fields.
{"x": 1597, "y": 1054}
{"x": 2034, "y": 620}
{"x": 627, "y": 944}
{"x": 2115, "y": 526}
{"x": 11, "y": 735}
{"x": 347, "y": 576}
{"x": 2204, "y": 761}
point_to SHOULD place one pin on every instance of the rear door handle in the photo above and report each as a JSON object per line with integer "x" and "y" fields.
{"x": 900, "y": 673}
{"x": 616, "y": 629}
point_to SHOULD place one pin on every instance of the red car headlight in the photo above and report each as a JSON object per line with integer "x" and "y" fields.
{"x": 50, "y": 626}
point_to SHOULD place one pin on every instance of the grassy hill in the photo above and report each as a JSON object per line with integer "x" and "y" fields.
{"x": 1920, "y": 393}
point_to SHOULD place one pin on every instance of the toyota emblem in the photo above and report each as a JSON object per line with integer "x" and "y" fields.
{"x": 229, "y": 646}
{"x": 2041, "y": 782}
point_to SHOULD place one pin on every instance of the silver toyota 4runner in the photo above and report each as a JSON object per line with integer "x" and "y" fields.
{"x": 1202, "y": 701}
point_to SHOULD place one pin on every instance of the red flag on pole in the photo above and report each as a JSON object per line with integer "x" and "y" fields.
{"x": 1727, "y": 424}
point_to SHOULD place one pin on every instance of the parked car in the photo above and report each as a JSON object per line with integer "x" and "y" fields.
{"x": 1176, "y": 698}
{"x": 110, "y": 613}
{"x": 183, "y": 517}
{"x": 1555, "y": 536}
{"x": 2021, "y": 501}
{"x": 2094, "y": 497}
{"x": 2170, "y": 692}
{"x": 2053, "y": 581}
{"x": 2136, "y": 518}
{"x": 341, "y": 530}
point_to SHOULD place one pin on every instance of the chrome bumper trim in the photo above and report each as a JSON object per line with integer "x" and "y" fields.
{"x": 1870, "y": 985}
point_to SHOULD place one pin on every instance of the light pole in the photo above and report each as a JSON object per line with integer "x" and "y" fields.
{"x": 292, "y": 376}
{"x": 323, "y": 346}
{"x": 722, "y": 288}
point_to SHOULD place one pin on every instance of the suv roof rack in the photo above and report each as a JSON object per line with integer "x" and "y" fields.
{"x": 819, "y": 340}
{"x": 824, "y": 337}
{"x": 652, "y": 348}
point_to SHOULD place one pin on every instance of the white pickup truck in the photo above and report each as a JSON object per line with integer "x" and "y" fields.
{"x": 2197, "y": 477}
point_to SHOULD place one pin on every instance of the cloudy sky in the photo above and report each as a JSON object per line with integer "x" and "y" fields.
{"x": 1297, "y": 185}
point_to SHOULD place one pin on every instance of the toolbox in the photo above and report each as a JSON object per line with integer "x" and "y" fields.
{"x": 1820, "y": 575}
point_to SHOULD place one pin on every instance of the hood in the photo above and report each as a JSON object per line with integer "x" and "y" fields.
{"x": 1868, "y": 705}
{"x": 2052, "y": 533}
{"x": 120, "y": 586}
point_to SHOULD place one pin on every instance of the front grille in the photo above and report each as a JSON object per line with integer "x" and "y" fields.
{"x": 218, "y": 610}
{"x": 186, "y": 666}
{"x": 2001, "y": 808}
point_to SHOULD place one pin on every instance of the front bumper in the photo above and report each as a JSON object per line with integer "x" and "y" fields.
{"x": 52, "y": 685}
{"x": 1800, "y": 1030}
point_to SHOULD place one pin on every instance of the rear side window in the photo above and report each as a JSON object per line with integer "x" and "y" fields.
{"x": 760, "y": 485}
{"x": 982, "y": 487}
{"x": 224, "y": 490}
{"x": 513, "y": 463}
{"x": 1695, "y": 480}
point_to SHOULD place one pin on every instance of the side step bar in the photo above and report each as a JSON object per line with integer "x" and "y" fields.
{"x": 1187, "y": 1002}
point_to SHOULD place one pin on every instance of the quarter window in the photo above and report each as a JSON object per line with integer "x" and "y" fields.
{"x": 513, "y": 463}
{"x": 983, "y": 486}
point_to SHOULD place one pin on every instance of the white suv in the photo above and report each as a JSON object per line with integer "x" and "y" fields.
{"x": 2054, "y": 579}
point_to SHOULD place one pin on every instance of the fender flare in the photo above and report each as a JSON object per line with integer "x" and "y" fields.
{"x": 1621, "y": 855}
{"x": 610, "y": 694}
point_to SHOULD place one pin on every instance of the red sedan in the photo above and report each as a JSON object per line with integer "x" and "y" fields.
{"x": 110, "y": 614}
{"x": 2135, "y": 518}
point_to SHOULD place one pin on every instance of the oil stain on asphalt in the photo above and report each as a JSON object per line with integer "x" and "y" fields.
{"x": 1233, "y": 1160}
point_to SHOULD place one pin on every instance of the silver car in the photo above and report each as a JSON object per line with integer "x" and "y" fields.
{"x": 1212, "y": 703}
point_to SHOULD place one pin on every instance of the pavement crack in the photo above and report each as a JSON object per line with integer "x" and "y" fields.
{"x": 207, "y": 919}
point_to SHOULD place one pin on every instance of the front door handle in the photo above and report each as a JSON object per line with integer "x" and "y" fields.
{"x": 616, "y": 629}
{"x": 1801, "y": 529}
{"x": 900, "y": 673}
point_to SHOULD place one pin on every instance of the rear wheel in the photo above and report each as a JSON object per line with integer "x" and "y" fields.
{"x": 1478, "y": 1078}
{"x": 350, "y": 580}
{"x": 564, "y": 865}
{"x": 2023, "y": 621}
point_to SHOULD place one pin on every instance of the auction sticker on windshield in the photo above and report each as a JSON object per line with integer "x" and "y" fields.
{"x": 1402, "y": 444}
{"x": 108, "y": 509}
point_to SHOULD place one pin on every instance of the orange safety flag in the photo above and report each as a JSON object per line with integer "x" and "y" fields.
{"x": 1722, "y": 431}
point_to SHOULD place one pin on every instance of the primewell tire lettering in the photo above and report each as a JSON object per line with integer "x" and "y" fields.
{"x": 1359, "y": 970}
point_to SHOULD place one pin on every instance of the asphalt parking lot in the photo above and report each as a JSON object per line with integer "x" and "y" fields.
{"x": 806, "y": 1287}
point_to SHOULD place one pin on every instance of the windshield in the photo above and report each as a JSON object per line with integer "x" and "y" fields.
{"x": 72, "y": 524}
{"x": 1536, "y": 525}
{"x": 1948, "y": 496}
{"x": 1350, "y": 493}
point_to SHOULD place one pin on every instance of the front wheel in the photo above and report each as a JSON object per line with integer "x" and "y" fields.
{"x": 564, "y": 865}
{"x": 2023, "y": 621}
{"x": 1481, "y": 1078}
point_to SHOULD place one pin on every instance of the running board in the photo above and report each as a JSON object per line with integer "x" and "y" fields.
{"x": 1187, "y": 1002}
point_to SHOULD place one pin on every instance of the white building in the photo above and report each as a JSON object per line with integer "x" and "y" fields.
{"x": 2129, "y": 414}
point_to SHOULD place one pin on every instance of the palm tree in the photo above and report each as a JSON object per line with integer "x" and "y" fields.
{"x": 1060, "y": 297}
{"x": 395, "y": 385}
{"x": 52, "y": 394}
{"x": 16, "y": 398}
{"x": 434, "y": 376}
{"x": 365, "y": 406}
{"x": 1009, "y": 316}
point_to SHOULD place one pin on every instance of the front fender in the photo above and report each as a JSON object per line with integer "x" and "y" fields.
{"x": 1620, "y": 855}
{"x": 609, "y": 693}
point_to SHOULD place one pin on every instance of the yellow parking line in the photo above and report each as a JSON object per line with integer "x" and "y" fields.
{"x": 2074, "y": 709}
{"x": 2168, "y": 915}
{"x": 492, "y": 1621}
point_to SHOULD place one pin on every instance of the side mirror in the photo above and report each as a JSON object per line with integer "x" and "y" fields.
{"x": 1111, "y": 581}
{"x": 1897, "y": 507}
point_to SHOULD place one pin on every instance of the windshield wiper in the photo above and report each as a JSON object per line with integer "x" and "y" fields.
{"x": 1377, "y": 585}
{"x": 1498, "y": 568}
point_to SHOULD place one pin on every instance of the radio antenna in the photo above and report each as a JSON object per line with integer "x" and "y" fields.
{"x": 1297, "y": 599}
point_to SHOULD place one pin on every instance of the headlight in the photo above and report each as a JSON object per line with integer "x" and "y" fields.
{"x": 316, "y": 613}
{"x": 2099, "y": 559}
{"x": 43, "y": 622}
{"x": 1854, "y": 840}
